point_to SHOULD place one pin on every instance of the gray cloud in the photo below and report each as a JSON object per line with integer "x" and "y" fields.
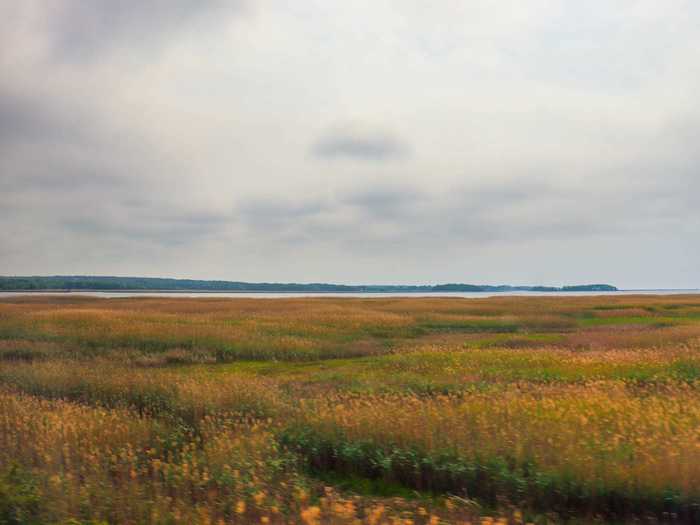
{"x": 360, "y": 142}
{"x": 554, "y": 144}
{"x": 20, "y": 119}
{"x": 385, "y": 201}
{"x": 167, "y": 228}
{"x": 259, "y": 209}
{"x": 46, "y": 146}
{"x": 85, "y": 30}
{"x": 482, "y": 213}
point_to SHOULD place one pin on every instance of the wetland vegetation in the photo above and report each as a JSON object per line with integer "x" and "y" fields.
{"x": 327, "y": 410}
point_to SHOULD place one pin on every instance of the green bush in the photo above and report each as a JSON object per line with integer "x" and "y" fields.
{"x": 491, "y": 480}
{"x": 19, "y": 500}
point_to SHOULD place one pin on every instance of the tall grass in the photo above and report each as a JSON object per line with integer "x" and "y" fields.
{"x": 308, "y": 329}
{"x": 233, "y": 411}
{"x": 93, "y": 465}
{"x": 597, "y": 448}
{"x": 166, "y": 395}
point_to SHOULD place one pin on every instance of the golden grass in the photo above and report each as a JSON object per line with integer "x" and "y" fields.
{"x": 154, "y": 410}
{"x": 603, "y": 433}
{"x": 113, "y": 466}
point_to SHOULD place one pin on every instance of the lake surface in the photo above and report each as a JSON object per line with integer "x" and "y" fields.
{"x": 278, "y": 295}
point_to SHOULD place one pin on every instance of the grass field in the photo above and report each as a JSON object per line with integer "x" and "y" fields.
{"x": 406, "y": 410}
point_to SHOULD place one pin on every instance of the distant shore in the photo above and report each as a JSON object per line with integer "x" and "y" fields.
{"x": 165, "y": 285}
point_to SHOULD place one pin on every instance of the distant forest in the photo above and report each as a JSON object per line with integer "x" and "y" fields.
{"x": 84, "y": 282}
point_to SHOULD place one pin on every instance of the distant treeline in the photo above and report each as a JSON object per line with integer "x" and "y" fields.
{"x": 83, "y": 282}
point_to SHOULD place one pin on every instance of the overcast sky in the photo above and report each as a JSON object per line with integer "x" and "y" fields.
{"x": 538, "y": 142}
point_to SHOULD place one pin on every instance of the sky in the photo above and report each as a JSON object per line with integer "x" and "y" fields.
{"x": 372, "y": 141}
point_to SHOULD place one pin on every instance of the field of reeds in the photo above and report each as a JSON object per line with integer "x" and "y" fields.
{"x": 342, "y": 410}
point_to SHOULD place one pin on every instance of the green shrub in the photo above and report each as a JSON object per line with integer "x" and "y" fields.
{"x": 19, "y": 500}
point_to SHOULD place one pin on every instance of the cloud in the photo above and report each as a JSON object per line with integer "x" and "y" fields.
{"x": 401, "y": 215}
{"x": 359, "y": 142}
{"x": 409, "y": 219}
{"x": 46, "y": 145}
{"x": 30, "y": 117}
{"x": 385, "y": 201}
{"x": 20, "y": 119}
{"x": 164, "y": 227}
{"x": 86, "y": 30}
{"x": 550, "y": 143}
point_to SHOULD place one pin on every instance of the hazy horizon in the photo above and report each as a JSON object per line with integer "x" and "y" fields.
{"x": 547, "y": 143}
